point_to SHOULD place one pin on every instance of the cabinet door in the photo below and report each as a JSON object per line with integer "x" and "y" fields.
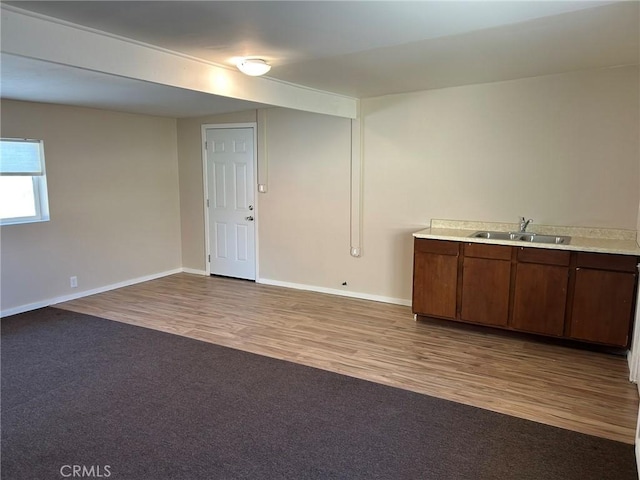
{"x": 602, "y": 306}
{"x": 540, "y": 297}
{"x": 435, "y": 278}
{"x": 485, "y": 291}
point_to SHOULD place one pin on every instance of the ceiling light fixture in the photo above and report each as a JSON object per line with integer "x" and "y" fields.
{"x": 253, "y": 66}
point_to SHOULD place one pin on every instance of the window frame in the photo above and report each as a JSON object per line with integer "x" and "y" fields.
{"x": 39, "y": 187}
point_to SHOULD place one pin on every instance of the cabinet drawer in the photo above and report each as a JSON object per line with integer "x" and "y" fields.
{"x": 607, "y": 261}
{"x": 544, "y": 256}
{"x": 480, "y": 250}
{"x": 441, "y": 247}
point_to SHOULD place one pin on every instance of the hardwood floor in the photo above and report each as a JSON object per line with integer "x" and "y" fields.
{"x": 571, "y": 388}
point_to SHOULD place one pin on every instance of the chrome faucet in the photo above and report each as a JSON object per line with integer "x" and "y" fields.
{"x": 524, "y": 224}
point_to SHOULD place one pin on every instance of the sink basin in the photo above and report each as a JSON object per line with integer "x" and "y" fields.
{"x": 522, "y": 237}
{"x": 537, "y": 238}
{"x": 497, "y": 235}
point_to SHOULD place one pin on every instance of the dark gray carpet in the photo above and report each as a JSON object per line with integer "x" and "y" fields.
{"x": 80, "y": 390}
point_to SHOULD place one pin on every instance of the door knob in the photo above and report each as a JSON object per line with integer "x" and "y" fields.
{"x": 250, "y": 218}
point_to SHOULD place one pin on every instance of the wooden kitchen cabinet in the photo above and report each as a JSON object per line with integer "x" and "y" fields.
{"x": 486, "y": 278}
{"x": 603, "y": 298}
{"x": 583, "y": 296}
{"x": 435, "y": 277}
{"x": 540, "y": 291}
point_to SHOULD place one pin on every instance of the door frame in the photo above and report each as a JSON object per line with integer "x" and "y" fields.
{"x": 226, "y": 126}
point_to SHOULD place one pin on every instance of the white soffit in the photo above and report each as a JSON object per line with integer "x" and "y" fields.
{"x": 47, "y": 40}
{"x": 37, "y": 81}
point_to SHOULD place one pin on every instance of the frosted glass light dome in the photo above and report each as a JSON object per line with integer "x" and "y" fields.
{"x": 253, "y": 67}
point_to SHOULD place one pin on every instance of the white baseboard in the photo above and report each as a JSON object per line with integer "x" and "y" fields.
{"x": 194, "y": 271}
{"x": 84, "y": 293}
{"x": 298, "y": 286}
{"x": 335, "y": 291}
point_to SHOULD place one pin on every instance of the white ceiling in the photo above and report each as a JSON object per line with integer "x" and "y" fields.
{"x": 359, "y": 49}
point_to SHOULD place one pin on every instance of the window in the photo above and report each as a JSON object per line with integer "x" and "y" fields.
{"x": 23, "y": 182}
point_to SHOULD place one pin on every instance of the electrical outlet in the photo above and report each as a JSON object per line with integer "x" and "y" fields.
{"x": 73, "y": 282}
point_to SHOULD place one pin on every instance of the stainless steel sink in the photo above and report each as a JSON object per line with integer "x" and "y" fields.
{"x": 497, "y": 235}
{"x": 522, "y": 237}
{"x": 537, "y": 238}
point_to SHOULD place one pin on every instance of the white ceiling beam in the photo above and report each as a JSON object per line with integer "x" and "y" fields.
{"x": 43, "y": 38}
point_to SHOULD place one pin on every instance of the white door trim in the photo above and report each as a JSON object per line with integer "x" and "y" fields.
{"x": 211, "y": 126}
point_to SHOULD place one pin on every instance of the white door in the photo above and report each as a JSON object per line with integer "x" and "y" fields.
{"x": 230, "y": 180}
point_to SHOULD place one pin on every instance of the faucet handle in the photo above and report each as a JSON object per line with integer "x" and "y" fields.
{"x": 524, "y": 224}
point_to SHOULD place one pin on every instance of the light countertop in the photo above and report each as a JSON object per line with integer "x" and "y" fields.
{"x": 582, "y": 238}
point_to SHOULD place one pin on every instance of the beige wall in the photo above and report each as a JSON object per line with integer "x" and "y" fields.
{"x": 560, "y": 149}
{"x": 192, "y": 185}
{"x": 113, "y": 197}
{"x": 304, "y": 217}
